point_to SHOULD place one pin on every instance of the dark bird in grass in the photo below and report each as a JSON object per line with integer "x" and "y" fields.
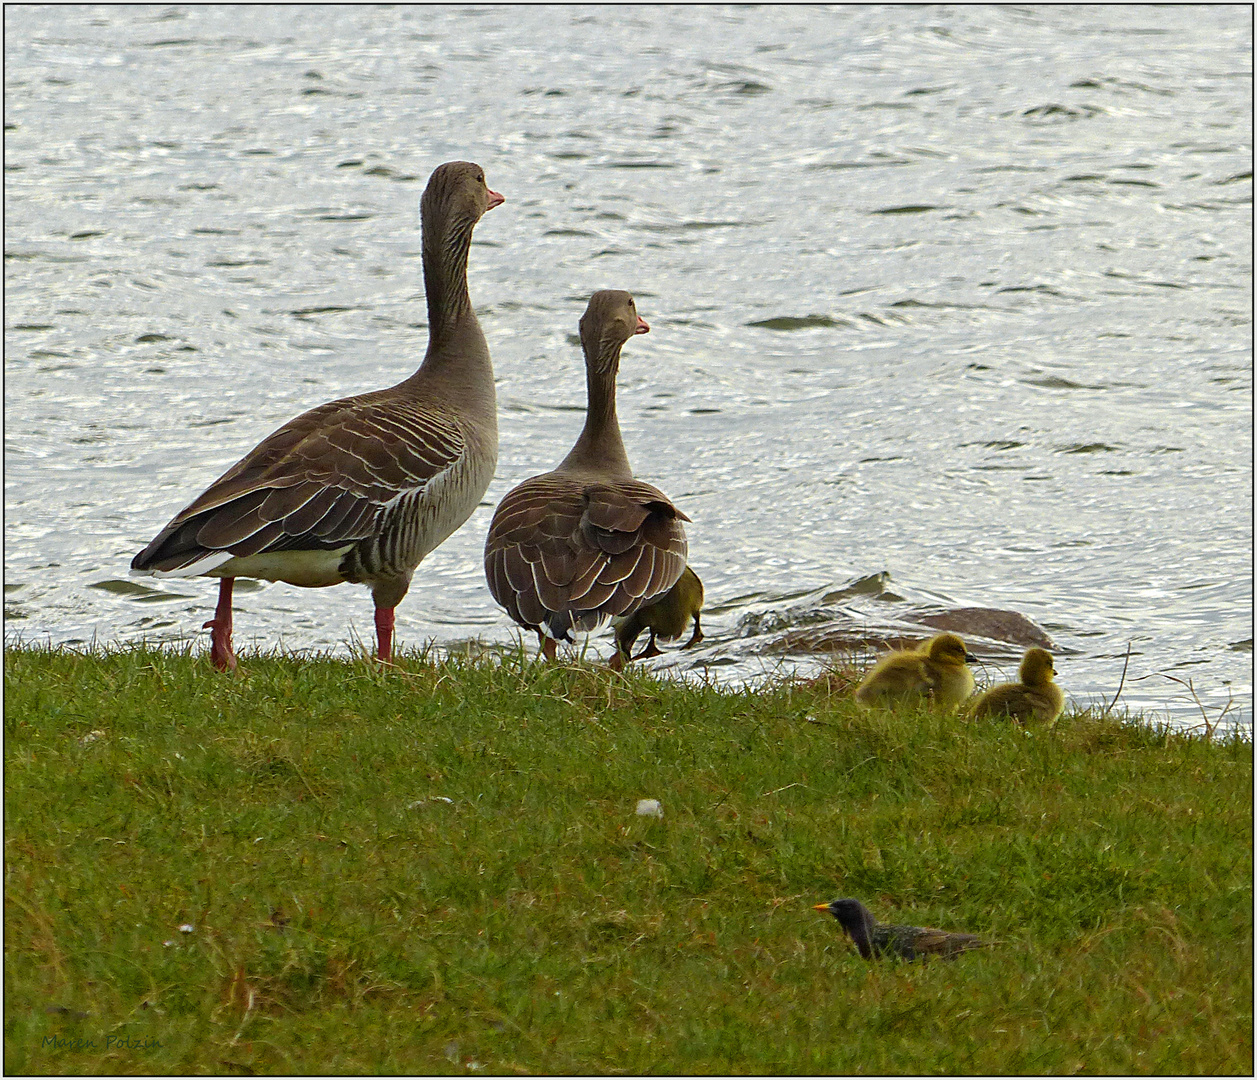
{"x": 666, "y": 617}
{"x": 908, "y": 942}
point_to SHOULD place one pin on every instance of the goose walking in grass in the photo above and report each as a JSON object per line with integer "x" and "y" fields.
{"x": 666, "y": 617}
{"x": 875, "y": 941}
{"x": 360, "y": 489}
{"x": 570, "y": 549}
{"x": 1035, "y": 697}
{"x": 936, "y": 671}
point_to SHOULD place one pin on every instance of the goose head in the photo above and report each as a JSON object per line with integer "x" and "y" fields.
{"x": 457, "y": 191}
{"x": 949, "y": 650}
{"x": 1036, "y": 668}
{"x": 609, "y": 321}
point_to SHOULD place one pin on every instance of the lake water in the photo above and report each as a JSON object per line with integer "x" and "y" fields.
{"x": 959, "y": 294}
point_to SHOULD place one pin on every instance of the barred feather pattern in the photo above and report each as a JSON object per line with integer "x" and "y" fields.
{"x": 383, "y": 472}
{"x": 566, "y": 553}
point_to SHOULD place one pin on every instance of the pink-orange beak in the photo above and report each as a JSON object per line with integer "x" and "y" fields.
{"x": 642, "y": 328}
{"x": 494, "y": 199}
{"x": 820, "y": 907}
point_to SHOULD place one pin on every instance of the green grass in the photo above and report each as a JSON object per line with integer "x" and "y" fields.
{"x": 348, "y": 920}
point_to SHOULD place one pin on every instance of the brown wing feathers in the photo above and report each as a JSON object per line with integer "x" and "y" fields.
{"x": 574, "y": 547}
{"x": 564, "y": 555}
{"x": 319, "y": 482}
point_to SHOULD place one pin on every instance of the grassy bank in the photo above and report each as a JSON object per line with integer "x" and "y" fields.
{"x": 439, "y": 869}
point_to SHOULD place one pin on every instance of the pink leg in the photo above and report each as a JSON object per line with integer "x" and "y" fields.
{"x": 384, "y": 634}
{"x": 220, "y": 625}
{"x": 548, "y": 647}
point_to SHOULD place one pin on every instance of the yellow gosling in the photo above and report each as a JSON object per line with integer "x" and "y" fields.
{"x": 1036, "y": 697}
{"x": 667, "y": 617}
{"x": 937, "y": 670}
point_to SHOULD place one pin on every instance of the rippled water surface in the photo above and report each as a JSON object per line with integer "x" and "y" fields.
{"x": 962, "y": 294}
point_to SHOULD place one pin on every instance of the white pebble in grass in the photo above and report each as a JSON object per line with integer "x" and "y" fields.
{"x": 649, "y": 808}
{"x": 187, "y": 928}
{"x": 434, "y": 798}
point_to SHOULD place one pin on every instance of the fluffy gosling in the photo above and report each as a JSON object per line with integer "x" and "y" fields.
{"x": 1036, "y": 697}
{"x": 907, "y": 942}
{"x": 938, "y": 670}
{"x": 666, "y": 617}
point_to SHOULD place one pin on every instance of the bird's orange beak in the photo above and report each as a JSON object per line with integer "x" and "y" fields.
{"x": 642, "y": 327}
{"x": 820, "y": 907}
{"x": 494, "y": 199}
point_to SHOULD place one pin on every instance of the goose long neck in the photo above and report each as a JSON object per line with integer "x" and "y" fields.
{"x": 456, "y": 367}
{"x": 445, "y": 248}
{"x": 600, "y": 445}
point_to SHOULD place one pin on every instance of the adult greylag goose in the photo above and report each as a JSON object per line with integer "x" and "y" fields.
{"x": 360, "y": 489}
{"x": 937, "y": 672}
{"x": 572, "y": 548}
{"x": 1035, "y": 697}
{"x": 665, "y": 617}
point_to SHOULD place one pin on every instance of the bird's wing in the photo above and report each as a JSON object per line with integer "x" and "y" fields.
{"x": 932, "y": 677}
{"x": 908, "y": 674}
{"x": 558, "y": 544}
{"x": 928, "y": 939}
{"x": 318, "y": 482}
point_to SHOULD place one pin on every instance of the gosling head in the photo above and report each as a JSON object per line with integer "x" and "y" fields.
{"x": 948, "y": 649}
{"x": 609, "y": 321}
{"x": 1036, "y": 668}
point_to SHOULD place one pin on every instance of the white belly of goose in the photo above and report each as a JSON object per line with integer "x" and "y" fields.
{"x": 310, "y": 569}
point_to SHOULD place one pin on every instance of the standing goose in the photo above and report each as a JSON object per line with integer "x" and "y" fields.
{"x": 572, "y": 548}
{"x": 360, "y": 489}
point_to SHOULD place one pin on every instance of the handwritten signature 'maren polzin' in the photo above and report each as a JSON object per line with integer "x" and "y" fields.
{"x": 112, "y": 1042}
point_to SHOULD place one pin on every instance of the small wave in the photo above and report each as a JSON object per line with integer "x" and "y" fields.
{"x": 803, "y": 322}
